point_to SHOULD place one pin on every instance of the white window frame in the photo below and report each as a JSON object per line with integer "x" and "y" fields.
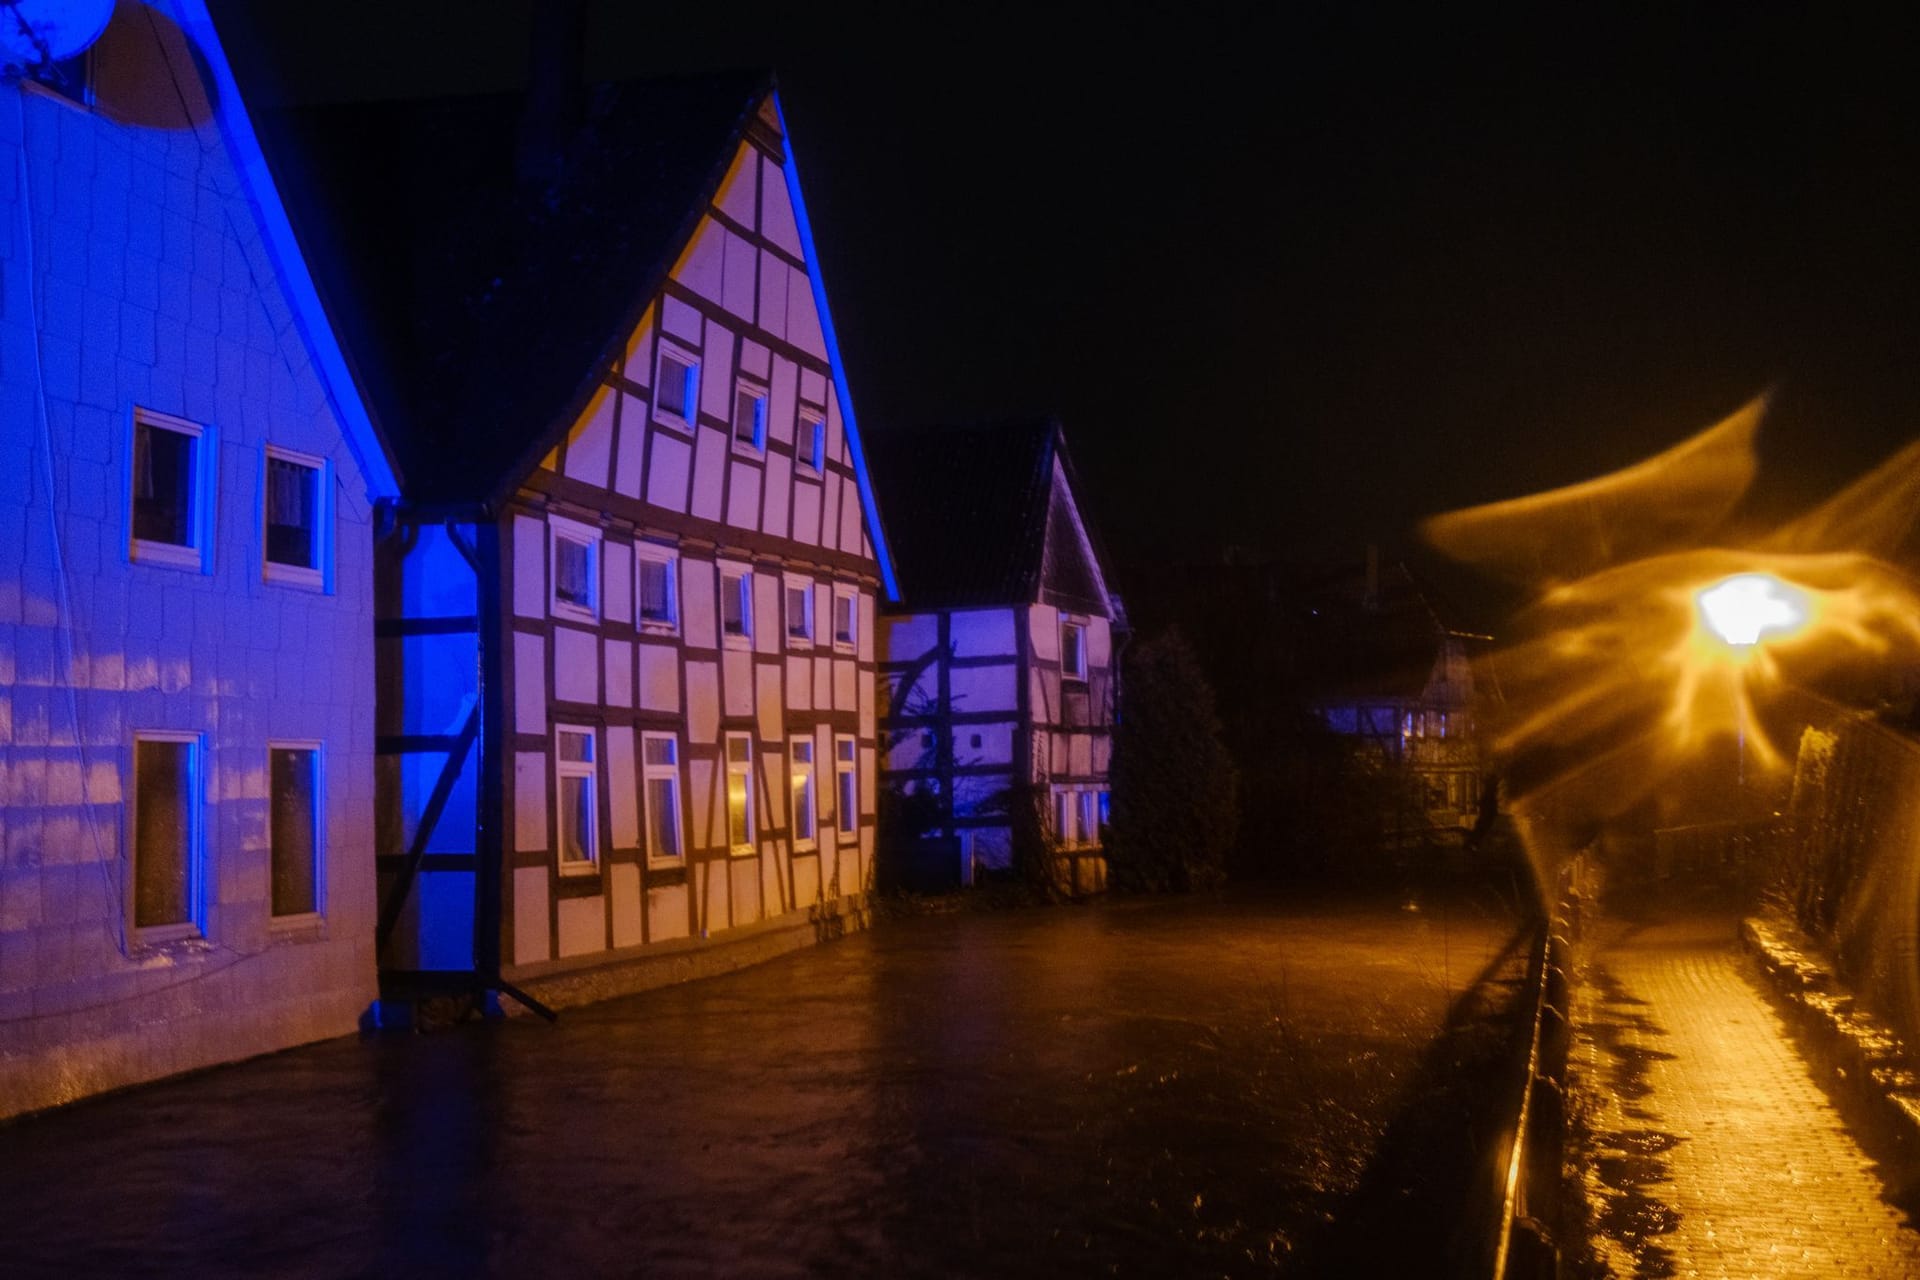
{"x": 1078, "y": 671}
{"x": 589, "y": 771}
{"x": 852, "y": 597}
{"x": 194, "y": 926}
{"x": 670, "y": 774}
{"x": 196, "y": 555}
{"x": 789, "y": 585}
{"x": 319, "y": 912}
{"x": 1088, "y": 817}
{"x": 654, "y": 553}
{"x": 762, "y": 405}
{"x": 742, "y": 575}
{"x": 744, "y": 768}
{"x": 320, "y": 576}
{"x": 802, "y": 777}
{"x": 810, "y": 440}
{"x": 1065, "y": 815}
{"x": 580, "y": 534}
{"x": 681, "y": 355}
{"x": 846, "y": 782}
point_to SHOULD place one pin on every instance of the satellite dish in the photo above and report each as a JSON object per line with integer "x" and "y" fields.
{"x": 36, "y": 33}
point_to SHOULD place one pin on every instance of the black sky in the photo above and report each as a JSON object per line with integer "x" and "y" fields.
{"x": 1296, "y": 275}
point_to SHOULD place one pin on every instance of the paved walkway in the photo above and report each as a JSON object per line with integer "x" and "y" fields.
{"x": 1717, "y": 1153}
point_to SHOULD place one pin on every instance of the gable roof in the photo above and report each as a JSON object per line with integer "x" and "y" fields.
{"x": 1381, "y": 642}
{"x": 969, "y": 511}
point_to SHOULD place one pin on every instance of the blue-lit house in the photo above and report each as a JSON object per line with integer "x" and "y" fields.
{"x": 626, "y": 593}
{"x": 188, "y": 483}
{"x": 999, "y": 678}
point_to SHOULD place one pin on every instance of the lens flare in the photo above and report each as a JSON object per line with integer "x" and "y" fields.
{"x": 1748, "y": 606}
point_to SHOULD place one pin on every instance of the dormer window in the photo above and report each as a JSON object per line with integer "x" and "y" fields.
{"x": 676, "y": 388}
{"x": 750, "y": 417}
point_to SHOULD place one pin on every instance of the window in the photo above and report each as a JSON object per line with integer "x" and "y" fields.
{"x": 750, "y": 416}
{"x": 810, "y": 444}
{"x": 71, "y": 78}
{"x": 846, "y": 787}
{"x": 295, "y": 517}
{"x": 1073, "y": 651}
{"x": 740, "y": 793}
{"x": 579, "y": 814}
{"x": 1106, "y": 808}
{"x": 1089, "y": 823}
{"x": 172, "y": 491}
{"x": 294, "y": 827}
{"x": 575, "y": 569}
{"x": 659, "y": 601}
{"x": 844, "y": 614}
{"x": 1064, "y": 813}
{"x": 805, "y": 823}
{"x": 799, "y": 612}
{"x": 660, "y": 769}
{"x": 736, "y": 605}
{"x": 166, "y": 835}
{"x": 676, "y": 388}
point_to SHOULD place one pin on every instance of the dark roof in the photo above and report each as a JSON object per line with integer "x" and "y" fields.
{"x": 479, "y": 310}
{"x": 1360, "y": 643}
{"x": 966, "y": 510}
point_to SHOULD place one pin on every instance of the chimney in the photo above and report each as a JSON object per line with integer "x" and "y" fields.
{"x": 555, "y": 91}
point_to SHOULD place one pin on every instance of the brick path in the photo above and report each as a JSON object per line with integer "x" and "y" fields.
{"x": 1717, "y": 1154}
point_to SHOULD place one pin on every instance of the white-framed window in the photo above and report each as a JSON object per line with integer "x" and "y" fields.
{"x": 575, "y": 778}
{"x": 1065, "y": 812}
{"x": 657, "y": 589}
{"x": 740, "y": 828}
{"x": 846, "y": 617}
{"x": 810, "y": 441}
{"x": 172, "y": 492}
{"x": 660, "y": 776}
{"x": 296, "y": 799}
{"x": 750, "y": 416}
{"x": 573, "y": 569}
{"x": 676, "y": 386}
{"x": 296, "y": 518}
{"x": 1087, "y": 803}
{"x": 168, "y": 836}
{"x": 736, "y": 605}
{"x": 1073, "y": 651}
{"x": 797, "y": 610}
{"x": 846, "y": 788}
{"x": 806, "y": 812}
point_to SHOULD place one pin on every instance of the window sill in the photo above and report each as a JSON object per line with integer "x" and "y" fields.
{"x": 309, "y": 926}
{"x": 573, "y": 613}
{"x": 806, "y": 846}
{"x": 672, "y": 422}
{"x": 169, "y": 555}
{"x": 160, "y": 935}
{"x": 673, "y": 862}
{"x": 799, "y": 642}
{"x": 656, "y": 627}
{"x": 579, "y": 870}
{"x": 293, "y": 575}
{"x": 743, "y": 851}
{"x": 743, "y": 449}
{"x": 734, "y": 640}
{"x": 847, "y": 647}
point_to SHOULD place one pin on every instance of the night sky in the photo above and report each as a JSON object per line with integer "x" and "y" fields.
{"x": 1296, "y": 275}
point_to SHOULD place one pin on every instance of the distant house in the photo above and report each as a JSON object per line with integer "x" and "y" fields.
{"x": 187, "y": 490}
{"x": 1380, "y": 664}
{"x": 999, "y": 681}
{"x": 627, "y": 593}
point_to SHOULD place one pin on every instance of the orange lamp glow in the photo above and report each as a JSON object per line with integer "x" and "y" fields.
{"x": 1748, "y": 607}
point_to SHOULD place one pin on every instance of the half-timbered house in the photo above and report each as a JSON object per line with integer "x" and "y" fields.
{"x": 187, "y": 481}
{"x": 627, "y": 597}
{"x": 998, "y": 664}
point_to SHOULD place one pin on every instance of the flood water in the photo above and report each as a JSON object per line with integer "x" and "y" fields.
{"x": 1133, "y": 1088}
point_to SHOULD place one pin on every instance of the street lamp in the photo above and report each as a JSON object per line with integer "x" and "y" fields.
{"x": 1743, "y": 611}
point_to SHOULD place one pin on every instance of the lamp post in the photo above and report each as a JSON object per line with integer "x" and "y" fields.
{"x": 1743, "y": 611}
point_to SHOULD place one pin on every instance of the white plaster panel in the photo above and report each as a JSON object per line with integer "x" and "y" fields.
{"x": 799, "y": 683}
{"x": 1099, "y": 642}
{"x": 781, "y": 404}
{"x": 904, "y": 637}
{"x": 659, "y": 677}
{"x": 619, "y": 674}
{"x": 865, "y": 681}
{"x": 1057, "y": 754}
{"x": 530, "y": 801}
{"x": 583, "y": 925}
{"x": 995, "y": 688}
{"x": 590, "y": 442}
{"x": 776, "y": 212}
{"x": 529, "y": 683}
{"x": 779, "y": 492}
{"x": 622, "y": 788}
{"x": 709, "y": 473}
{"x": 739, "y": 190}
{"x": 680, "y": 320}
{"x": 823, "y": 684}
{"x": 1043, "y": 629}
{"x": 667, "y": 472}
{"x": 1080, "y": 754}
{"x": 1102, "y": 756}
{"x": 623, "y": 886}
{"x": 864, "y": 637}
{"x": 699, "y": 268}
{"x": 576, "y": 665}
{"x": 639, "y": 361}
{"x": 755, "y": 360}
{"x": 703, "y": 701}
{"x": 803, "y": 321}
{"x": 773, "y": 295}
{"x": 532, "y": 942}
{"x": 712, "y": 898}
{"x": 813, "y": 386}
{"x": 774, "y": 870}
{"x": 849, "y": 518}
{"x": 806, "y": 882}
{"x": 770, "y": 781}
{"x": 745, "y": 874}
{"x": 845, "y": 688}
{"x": 700, "y": 801}
{"x": 529, "y": 567}
{"x": 867, "y": 788}
{"x": 806, "y": 510}
{"x": 740, "y": 282}
{"x": 616, "y": 588}
{"x": 769, "y": 625}
{"x": 716, "y": 373}
{"x": 738, "y": 684}
{"x": 667, "y": 913}
{"x": 830, "y": 510}
{"x": 983, "y": 633}
{"x": 697, "y": 588}
{"x": 627, "y": 468}
{"x": 743, "y": 494}
{"x": 768, "y": 704}
{"x": 1039, "y": 707}
{"x": 836, "y": 433}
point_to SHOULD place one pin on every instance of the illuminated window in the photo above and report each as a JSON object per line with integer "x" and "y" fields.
{"x": 1089, "y": 822}
{"x": 810, "y": 444}
{"x": 295, "y": 517}
{"x": 659, "y": 571}
{"x": 167, "y": 836}
{"x": 799, "y": 610}
{"x": 1073, "y": 651}
{"x": 845, "y": 613}
{"x": 736, "y": 605}
{"x": 805, "y": 824}
{"x": 676, "y": 387}
{"x": 294, "y": 827}
{"x": 579, "y": 816}
{"x": 172, "y": 500}
{"x": 846, "y": 788}
{"x": 660, "y": 770}
{"x": 1064, "y": 813}
{"x": 575, "y": 569}
{"x": 740, "y": 830}
{"x": 750, "y": 416}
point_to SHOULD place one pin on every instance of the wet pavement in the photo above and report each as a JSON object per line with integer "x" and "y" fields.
{"x": 1154, "y": 1088}
{"x": 1714, "y": 1151}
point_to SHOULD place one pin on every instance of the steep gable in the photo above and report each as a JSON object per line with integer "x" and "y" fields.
{"x": 1070, "y": 573}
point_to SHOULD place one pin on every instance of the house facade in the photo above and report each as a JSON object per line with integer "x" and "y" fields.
{"x": 627, "y": 597}
{"x": 998, "y": 665}
{"x": 187, "y": 489}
